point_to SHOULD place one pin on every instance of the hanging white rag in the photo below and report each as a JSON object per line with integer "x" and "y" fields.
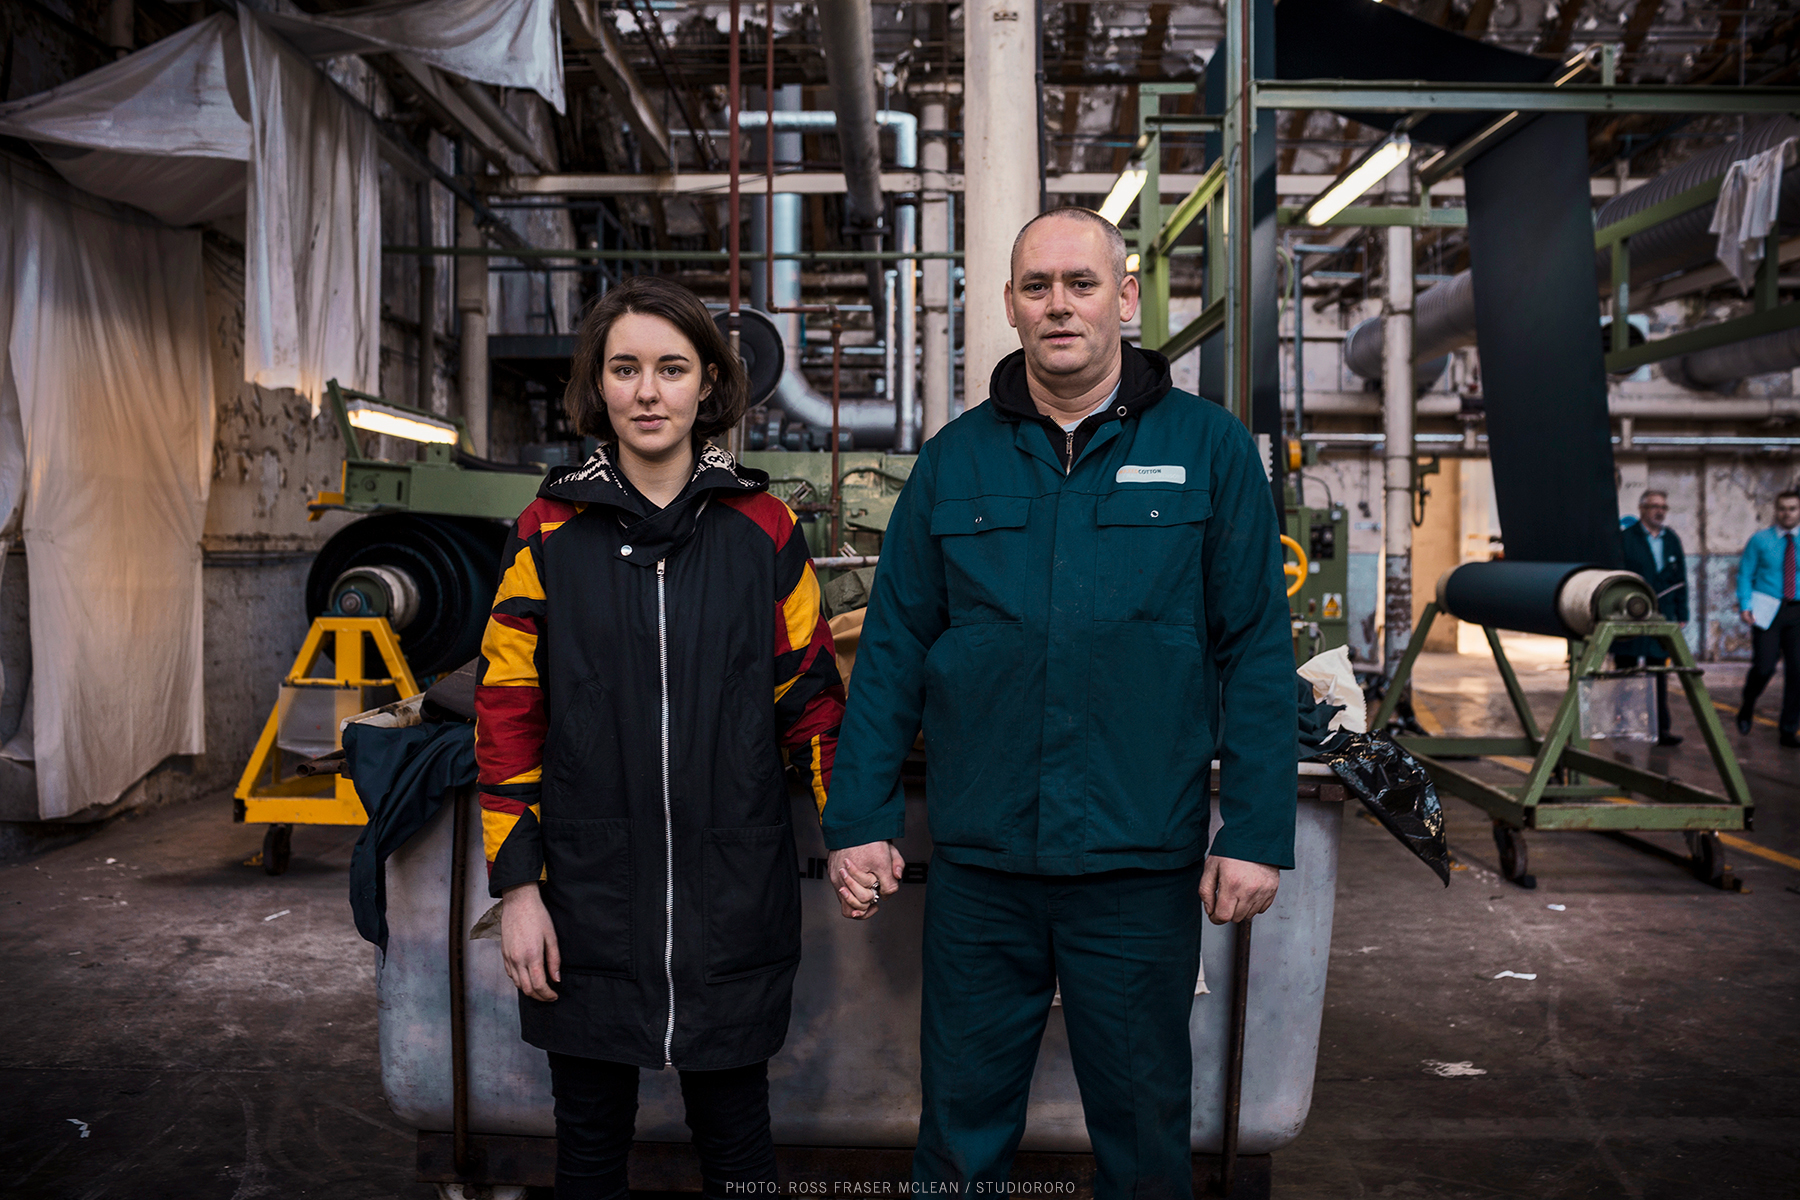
{"x": 1334, "y": 682}
{"x": 1745, "y": 213}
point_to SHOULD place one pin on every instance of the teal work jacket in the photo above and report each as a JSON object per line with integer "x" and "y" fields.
{"x": 1078, "y": 645}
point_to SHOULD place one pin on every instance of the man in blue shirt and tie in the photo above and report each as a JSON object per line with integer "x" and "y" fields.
{"x": 1769, "y": 602}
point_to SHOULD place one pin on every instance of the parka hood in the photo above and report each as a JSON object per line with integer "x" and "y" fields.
{"x": 655, "y": 532}
{"x": 1144, "y": 380}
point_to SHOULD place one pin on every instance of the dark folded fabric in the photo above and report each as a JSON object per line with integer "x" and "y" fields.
{"x": 403, "y": 777}
{"x": 452, "y": 697}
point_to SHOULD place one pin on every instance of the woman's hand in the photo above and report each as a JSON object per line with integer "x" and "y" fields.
{"x": 863, "y": 874}
{"x": 528, "y": 942}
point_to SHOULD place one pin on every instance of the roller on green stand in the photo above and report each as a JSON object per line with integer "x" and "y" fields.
{"x": 1567, "y": 786}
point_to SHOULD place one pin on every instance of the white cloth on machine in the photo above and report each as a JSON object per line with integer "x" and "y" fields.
{"x": 106, "y": 432}
{"x": 1749, "y": 201}
{"x": 312, "y": 254}
{"x": 508, "y": 43}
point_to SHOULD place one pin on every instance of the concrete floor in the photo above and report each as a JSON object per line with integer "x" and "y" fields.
{"x": 174, "y": 1023}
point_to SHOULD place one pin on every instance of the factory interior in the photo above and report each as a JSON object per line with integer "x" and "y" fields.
{"x": 1503, "y": 292}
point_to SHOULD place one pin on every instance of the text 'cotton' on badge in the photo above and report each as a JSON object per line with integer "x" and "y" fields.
{"x": 1165, "y": 474}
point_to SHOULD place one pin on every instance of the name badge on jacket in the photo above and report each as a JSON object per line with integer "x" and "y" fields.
{"x": 1163, "y": 474}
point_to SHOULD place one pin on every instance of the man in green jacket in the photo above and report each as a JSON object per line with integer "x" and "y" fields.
{"x": 1081, "y": 602}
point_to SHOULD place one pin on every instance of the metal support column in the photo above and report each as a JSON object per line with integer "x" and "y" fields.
{"x": 1397, "y": 430}
{"x": 472, "y": 306}
{"x": 1000, "y": 171}
{"x": 934, "y": 223}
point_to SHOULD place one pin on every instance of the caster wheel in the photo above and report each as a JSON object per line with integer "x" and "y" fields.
{"x": 278, "y": 847}
{"x": 1513, "y": 862}
{"x": 1706, "y": 857}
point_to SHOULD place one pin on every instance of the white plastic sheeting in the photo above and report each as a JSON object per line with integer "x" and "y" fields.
{"x": 166, "y": 129}
{"x": 106, "y": 431}
{"x": 312, "y": 286}
{"x": 508, "y": 43}
{"x": 224, "y": 118}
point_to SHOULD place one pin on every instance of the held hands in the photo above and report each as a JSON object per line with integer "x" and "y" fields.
{"x": 528, "y": 942}
{"x": 861, "y": 873}
{"x": 1232, "y": 889}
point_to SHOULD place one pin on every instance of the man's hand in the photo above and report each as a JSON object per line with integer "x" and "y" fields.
{"x": 1232, "y": 889}
{"x": 528, "y": 942}
{"x": 860, "y": 873}
{"x": 1749, "y": 617}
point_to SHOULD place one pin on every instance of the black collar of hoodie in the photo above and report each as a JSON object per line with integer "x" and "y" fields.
{"x": 652, "y": 533}
{"x": 1144, "y": 379}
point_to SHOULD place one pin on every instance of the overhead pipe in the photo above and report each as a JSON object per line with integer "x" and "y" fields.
{"x": 846, "y": 35}
{"x": 893, "y": 422}
{"x": 1445, "y": 318}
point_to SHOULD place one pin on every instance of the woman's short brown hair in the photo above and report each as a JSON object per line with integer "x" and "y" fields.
{"x": 651, "y": 295}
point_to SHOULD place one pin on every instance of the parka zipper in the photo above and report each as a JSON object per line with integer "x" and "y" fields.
{"x": 1068, "y": 451}
{"x": 662, "y": 650}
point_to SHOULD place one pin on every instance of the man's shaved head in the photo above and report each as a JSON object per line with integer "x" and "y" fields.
{"x": 1115, "y": 241}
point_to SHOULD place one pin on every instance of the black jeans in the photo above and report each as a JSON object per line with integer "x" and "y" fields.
{"x": 596, "y": 1115}
{"x": 1779, "y": 643}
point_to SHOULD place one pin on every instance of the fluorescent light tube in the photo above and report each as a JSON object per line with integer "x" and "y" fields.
{"x": 378, "y": 418}
{"x": 1124, "y": 191}
{"x": 1368, "y": 173}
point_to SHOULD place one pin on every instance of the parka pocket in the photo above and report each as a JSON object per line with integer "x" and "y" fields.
{"x": 1148, "y": 554}
{"x": 582, "y": 753}
{"x": 587, "y": 868}
{"x": 752, "y": 918}
{"x": 983, "y": 541}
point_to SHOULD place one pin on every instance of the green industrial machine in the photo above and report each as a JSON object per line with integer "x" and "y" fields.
{"x": 1321, "y": 618}
{"x": 1552, "y": 779}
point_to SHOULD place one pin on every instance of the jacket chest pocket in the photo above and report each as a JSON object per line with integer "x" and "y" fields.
{"x": 983, "y": 542}
{"x": 1147, "y": 554}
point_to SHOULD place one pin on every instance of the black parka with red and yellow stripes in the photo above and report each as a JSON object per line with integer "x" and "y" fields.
{"x": 643, "y": 674}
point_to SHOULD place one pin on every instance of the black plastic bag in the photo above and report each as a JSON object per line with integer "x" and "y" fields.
{"x": 1392, "y": 785}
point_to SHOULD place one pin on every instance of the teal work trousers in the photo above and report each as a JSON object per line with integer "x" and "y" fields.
{"x": 1125, "y": 946}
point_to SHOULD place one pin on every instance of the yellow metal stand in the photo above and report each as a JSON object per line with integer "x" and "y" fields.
{"x": 264, "y": 794}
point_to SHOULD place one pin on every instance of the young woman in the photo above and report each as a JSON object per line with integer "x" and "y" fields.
{"x": 655, "y": 646}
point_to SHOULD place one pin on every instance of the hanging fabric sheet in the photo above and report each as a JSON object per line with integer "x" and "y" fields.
{"x": 312, "y": 287}
{"x": 1749, "y": 204}
{"x": 223, "y": 118}
{"x": 1531, "y": 239}
{"x": 508, "y": 43}
{"x": 106, "y": 388}
{"x": 165, "y": 129}
{"x": 171, "y": 128}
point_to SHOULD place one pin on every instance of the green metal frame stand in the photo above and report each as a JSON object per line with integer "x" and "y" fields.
{"x": 1622, "y": 798}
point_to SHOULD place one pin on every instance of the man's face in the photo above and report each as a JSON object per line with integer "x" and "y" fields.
{"x": 1064, "y": 300}
{"x": 1653, "y": 511}
{"x": 1787, "y": 512}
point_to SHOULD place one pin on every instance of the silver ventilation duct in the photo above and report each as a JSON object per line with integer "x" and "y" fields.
{"x": 1444, "y": 317}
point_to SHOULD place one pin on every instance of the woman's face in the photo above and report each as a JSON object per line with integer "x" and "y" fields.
{"x": 652, "y": 382}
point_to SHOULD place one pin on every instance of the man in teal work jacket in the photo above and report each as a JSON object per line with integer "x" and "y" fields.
{"x": 1080, "y": 600}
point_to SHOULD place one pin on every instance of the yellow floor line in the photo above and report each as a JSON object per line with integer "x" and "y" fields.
{"x": 1774, "y": 856}
{"x": 1521, "y": 765}
{"x": 1427, "y": 719}
{"x": 1727, "y": 708}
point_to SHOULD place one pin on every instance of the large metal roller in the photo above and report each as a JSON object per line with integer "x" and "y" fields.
{"x": 1563, "y": 600}
{"x": 432, "y": 577}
